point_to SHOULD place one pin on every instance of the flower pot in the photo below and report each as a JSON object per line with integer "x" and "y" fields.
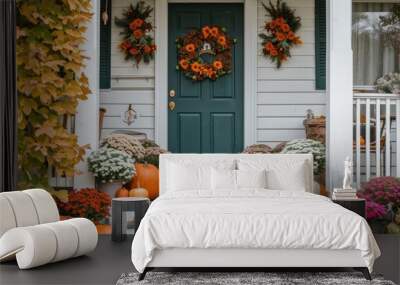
{"x": 315, "y": 129}
{"x": 378, "y": 226}
{"x": 320, "y": 179}
{"x": 110, "y": 187}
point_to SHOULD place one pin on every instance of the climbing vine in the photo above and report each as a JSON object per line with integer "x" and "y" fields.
{"x": 50, "y": 85}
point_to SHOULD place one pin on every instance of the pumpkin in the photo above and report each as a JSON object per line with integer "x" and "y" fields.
{"x": 122, "y": 192}
{"x": 147, "y": 177}
{"x": 138, "y": 192}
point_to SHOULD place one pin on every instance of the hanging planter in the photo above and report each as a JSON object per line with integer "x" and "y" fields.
{"x": 280, "y": 33}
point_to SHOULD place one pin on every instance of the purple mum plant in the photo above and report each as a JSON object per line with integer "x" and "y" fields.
{"x": 382, "y": 195}
{"x": 375, "y": 210}
{"x": 382, "y": 190}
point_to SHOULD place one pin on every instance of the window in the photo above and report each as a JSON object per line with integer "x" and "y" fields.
{"x": 373, "y": 54}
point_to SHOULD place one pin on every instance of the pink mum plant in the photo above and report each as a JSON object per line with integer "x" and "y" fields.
{"x": 375, "y": 210}
{"x": 382, "y": 195}
{"x": 382, "y": 190}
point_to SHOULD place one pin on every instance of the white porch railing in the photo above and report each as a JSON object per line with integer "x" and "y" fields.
{"x": 61, "y": 180}
{"x": 376, "y": 135}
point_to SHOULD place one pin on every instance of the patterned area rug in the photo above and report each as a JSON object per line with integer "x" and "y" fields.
{"x": 243, "y": 278}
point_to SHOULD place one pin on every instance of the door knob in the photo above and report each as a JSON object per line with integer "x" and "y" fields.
{"x": 172, "y": 93}
{"x": 171, "y": 105}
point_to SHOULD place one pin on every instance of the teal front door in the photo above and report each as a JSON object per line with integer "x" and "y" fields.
{"x": 208, "y": 115}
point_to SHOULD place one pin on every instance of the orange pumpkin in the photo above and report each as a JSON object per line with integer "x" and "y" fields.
{"x": 122, "y": 192}
{"x": 147, "y": 177}
{"x": 138, "y": 192}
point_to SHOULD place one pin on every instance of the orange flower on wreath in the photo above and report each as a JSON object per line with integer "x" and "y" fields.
{"x": 280, "y": 37}
{"x": 138, "y": 22}
{"x": 204, "y": 70}
{"x": 147, "y": 49}
{"x": 190, "y": 48}
{"x": 206, "y": 31}
{"x": 195, "y": 66}
{"x": 283, "y": 57}
{"x": 125, "y": 45}
{"x": 214, "y": 32}
{"x": 297, "y": 41}
{"x": 211, "y": 74}
{"x": 184, "y": 64}
{"x": 291, "y": 36}
{"x": 285, "y": 28}
{"x": 217, "y": 64}
{"x": 132, "y": 26}
{"x": 280, "y": 21}
{"x": 274, "y": 52}
{"x": 137, "y": 33}
{"x": 222, "y": 40}
{"x": 269, "y": 46}
{"x": 133, "y": 51}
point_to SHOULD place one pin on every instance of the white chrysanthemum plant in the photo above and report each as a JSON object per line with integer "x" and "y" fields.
{"x": 125, "y": 143}
{"x": 309, "y": 146}
{"x": 389, "y": 83}
{"x": 111, "y": 165}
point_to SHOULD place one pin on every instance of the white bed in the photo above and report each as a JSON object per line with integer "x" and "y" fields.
{"x": 251, "y": 226}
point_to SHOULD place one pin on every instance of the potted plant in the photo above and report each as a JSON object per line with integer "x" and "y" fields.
{"x": 152, "y": 155}
{"x": 86, "y": 203}
{"x": 125, "y": 143}
{"x": 382, "y": 195}
{"x": 147, "y": 174}
{"x": 111, "y": 168}
{"x": 317, "y": 149}
{"x": 389, "y": 83}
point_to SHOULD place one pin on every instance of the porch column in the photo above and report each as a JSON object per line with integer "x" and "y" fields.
{"x": 87, "y": 119}
{"x": 339, "y": 90}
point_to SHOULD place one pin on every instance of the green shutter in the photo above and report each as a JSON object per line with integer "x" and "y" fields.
{"x": 105, "y": 47}
{"x": 320, "y": 44}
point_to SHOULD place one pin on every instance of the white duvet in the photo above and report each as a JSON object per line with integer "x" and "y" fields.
{"x": 250, "y": 219}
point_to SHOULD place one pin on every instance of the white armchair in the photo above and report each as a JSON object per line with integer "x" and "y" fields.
{"x": 31, "y": 232}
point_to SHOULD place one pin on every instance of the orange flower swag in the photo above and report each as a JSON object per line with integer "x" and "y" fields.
{"x": 137, "y": 43}
{"x": 190, "y": 50}
{"x": 280, "y": 34}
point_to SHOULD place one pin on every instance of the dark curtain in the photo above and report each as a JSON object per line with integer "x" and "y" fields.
{"x": 8, "y": 97}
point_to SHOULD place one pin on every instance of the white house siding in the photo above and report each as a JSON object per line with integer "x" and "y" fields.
{"x": 129, "y": 85}
{"x": 283, "y": 96}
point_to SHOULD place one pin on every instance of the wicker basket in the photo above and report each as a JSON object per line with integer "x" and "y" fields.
{"x": 316, "y": 128}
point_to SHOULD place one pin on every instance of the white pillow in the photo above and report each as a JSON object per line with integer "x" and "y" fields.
{"x": 223, "y": 179}
{"x": 290, "y": 179}
{"x": 235, "y": 179}
{"x": 188, "y": 177}
{"x": 251, "y": 178}
{"x": 281, "y": 174}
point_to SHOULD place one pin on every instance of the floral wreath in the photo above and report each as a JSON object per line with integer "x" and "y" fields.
{"x": 211, "y": 40}
{"x": 137, "y": 44}
{"x": 280, "y": 34}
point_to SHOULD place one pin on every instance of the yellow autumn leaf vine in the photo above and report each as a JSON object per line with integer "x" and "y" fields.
{"x": 50, "y": 85}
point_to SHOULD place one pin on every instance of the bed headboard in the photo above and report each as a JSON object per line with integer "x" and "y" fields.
{"x": 165, "y": 159}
